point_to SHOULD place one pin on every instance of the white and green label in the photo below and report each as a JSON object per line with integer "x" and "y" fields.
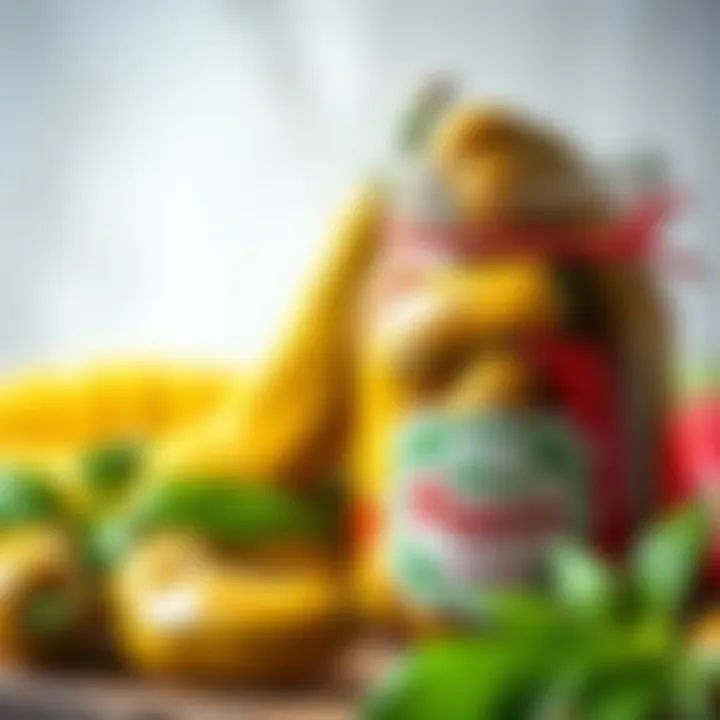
{"x": 478, "y": 498}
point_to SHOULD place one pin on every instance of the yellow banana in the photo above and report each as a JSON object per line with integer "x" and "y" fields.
{"x": 291, "y": 417}
{"x": 58, "y": 410}
{"x": 37, "y": 408}
{"x": 287, "y": 418}
{"x": 41, "y": 596}
{"x": 182, "y": 612}
{"x": 500, "y": 380}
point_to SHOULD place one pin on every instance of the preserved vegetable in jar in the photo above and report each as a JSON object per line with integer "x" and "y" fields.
{"x": 511, "y": 377}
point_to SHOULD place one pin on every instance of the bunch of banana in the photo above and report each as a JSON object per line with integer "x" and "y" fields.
{"x": 215, "y": 453}
{"x": 256, "y": 599}
{"x": 72, "y": 448}
{"x": 255, "y": 578}
{"x": 196, "y": 578}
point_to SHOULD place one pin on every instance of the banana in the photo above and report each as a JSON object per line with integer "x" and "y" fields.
{"x": 288, "y": 417}
{"x": 41, "y": 594}
{"x": 501, "y": 380}
{"x": 182, "y": 612}
{"x": 290, "y": 422}
{"x": 48, "y": 411}
{"x": 37, "y": 408}
{"x": 451, "y": 306}
{"x": 504, "y": 168}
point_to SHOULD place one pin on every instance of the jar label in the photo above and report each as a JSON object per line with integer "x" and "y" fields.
{"x": 477, "y": 499}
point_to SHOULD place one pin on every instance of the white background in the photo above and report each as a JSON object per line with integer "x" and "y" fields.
{"x": 167, "y": 167}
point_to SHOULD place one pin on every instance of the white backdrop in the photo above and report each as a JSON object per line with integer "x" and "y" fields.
{"x": 167, "y": 166}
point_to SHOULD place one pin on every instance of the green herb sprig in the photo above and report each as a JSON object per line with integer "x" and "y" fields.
{"x": 599, "y": 644}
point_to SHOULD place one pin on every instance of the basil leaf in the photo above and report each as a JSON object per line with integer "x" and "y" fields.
{"x": 461, "y": 679}
{"x": 635, "y": 694}
{"x": 581, "y": 582}
{"x": 606, "y": 683}
{"x": 229, "y": 512}
{"x": 107, "y": 469}
{"x": 27, "y": 497}
{"x": 666, "y": 561}
{"x": 529, "y": 614}
{"x": 694, "y": 682}
{"x": 107, "y": 541}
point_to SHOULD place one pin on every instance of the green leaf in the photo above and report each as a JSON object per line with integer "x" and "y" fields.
{"x": 392, "y": 694}
{"x": 617, "y": 671}
{"x": 460, "y": 679}
{"x": 521, "y": 613}
{"x": 229, "y": 512}
{"x": 107, "y": 469}
{"x": 27, "y": 497}
{"x": 693, "y": 684}
{"x": 613, "y": 680}
{"x": 630, "y": 696}
{"x": 562, "y": 695}
{"x": 107, "y": 541}
{"x": 666, "y": 561}
{"x": 582, "y": 582}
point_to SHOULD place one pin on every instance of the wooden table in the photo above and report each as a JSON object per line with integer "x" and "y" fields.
{"x": 88, "y": 695}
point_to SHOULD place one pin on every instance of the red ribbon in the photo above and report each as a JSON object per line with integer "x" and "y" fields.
{"x": 633, "y": 237}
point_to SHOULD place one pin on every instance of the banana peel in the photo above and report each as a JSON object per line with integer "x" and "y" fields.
{"x": 63, "y": 409}
{"x": 220, "y": 581}
{"x": 290, "y": 421}
{"x": 209, "y": 449}
{"x": 184, "y": 612}
{"x": 497, "y": 380}
{"x": 42, "y": 595}
{"x": 285, "y": 424}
